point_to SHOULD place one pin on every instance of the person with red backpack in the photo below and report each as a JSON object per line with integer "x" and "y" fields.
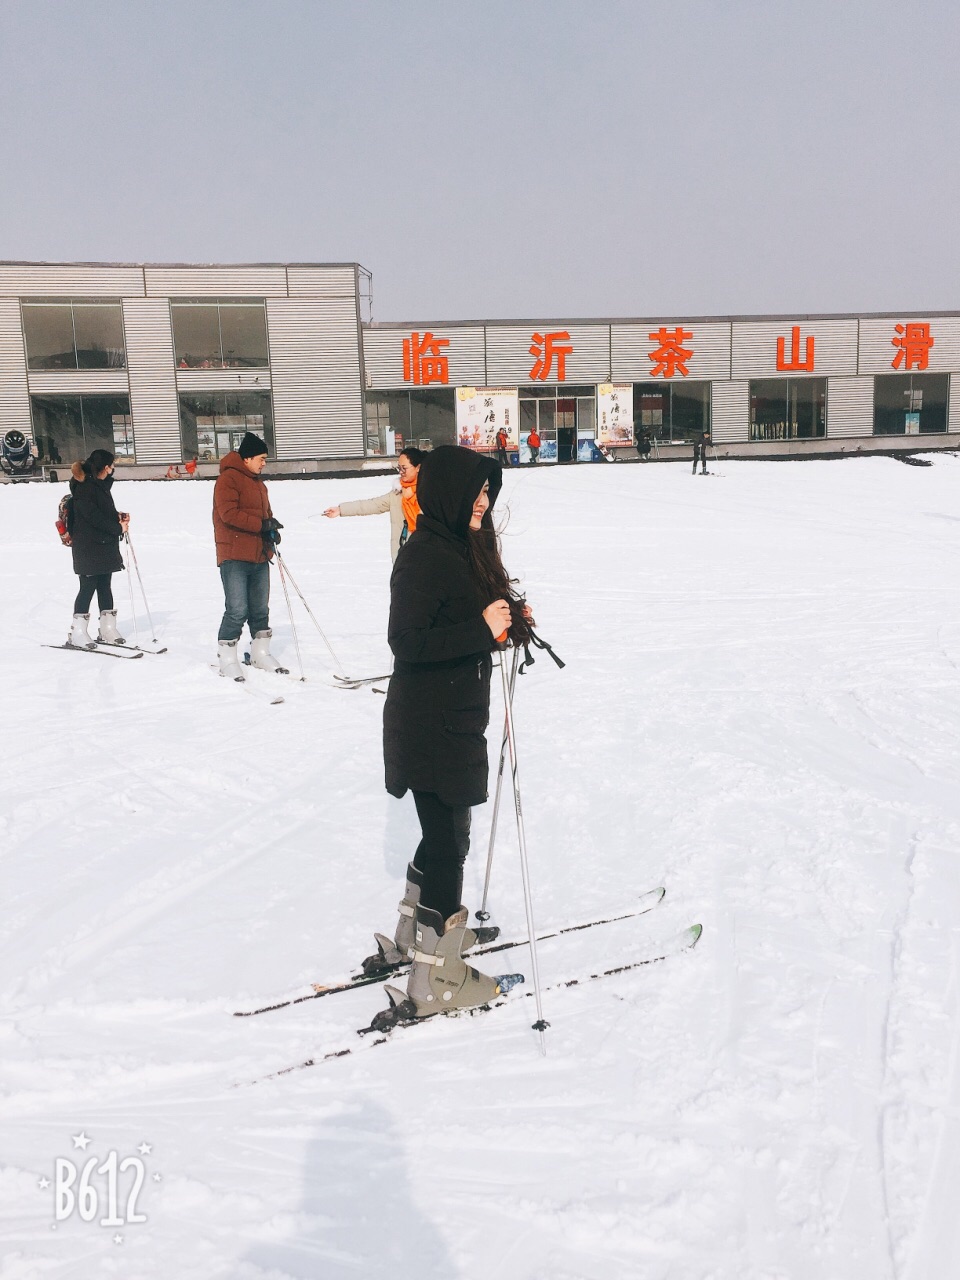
{"x": 95, "y": 528}
{"x": 533, "y": 444}
{"x": 502, "y": 446}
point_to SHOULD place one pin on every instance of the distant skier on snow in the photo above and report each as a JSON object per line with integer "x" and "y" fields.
{"x": 400, "y": 502}
{"x": 95, "y": 532}
{"x": 246, "y": 534}
{"x": 451, "y": 602}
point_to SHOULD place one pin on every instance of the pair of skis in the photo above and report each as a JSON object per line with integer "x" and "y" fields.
{"x": 128, "y": 652}
{"x": 647, "y": 902}
{"x": 680, "y": 942}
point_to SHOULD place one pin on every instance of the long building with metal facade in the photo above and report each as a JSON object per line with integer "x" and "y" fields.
{"x": 164, "y": 364}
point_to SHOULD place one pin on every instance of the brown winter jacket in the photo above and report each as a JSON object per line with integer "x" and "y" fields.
{"x": 240, "y": 505}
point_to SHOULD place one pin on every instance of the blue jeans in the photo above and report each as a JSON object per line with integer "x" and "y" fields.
{"x": 246, "y": 591}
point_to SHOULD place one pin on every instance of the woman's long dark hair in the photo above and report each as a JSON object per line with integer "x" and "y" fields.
{"x": 99, "y": 459}
{"x": 492, "y": 579}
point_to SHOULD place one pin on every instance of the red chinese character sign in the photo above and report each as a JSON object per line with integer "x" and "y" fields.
{"x": 671, "y": 355}
{"x": 795, "y": 364}
{"x": 423, "y": 361}
{"x": 913, "y": 345}
{"x": 547, "y": 347}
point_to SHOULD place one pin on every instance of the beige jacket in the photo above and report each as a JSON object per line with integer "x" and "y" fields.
{"x": 376, "y": 507}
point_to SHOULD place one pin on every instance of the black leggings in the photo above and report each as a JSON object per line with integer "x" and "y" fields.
{"x": 99, "y": 582}
{"x": 442, "y": 852}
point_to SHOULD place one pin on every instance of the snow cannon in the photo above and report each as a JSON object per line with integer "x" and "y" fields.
{"x": 16, "y": 455}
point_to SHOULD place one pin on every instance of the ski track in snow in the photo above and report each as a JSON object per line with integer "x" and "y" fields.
{"x": 760, "y": 710}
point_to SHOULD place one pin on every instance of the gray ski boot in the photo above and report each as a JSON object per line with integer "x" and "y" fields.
{"x": 229, "y": 666}
{"x": 108, "y": 628}
{"x": 260, "y": 655}
{"x": 439, "y": 979}
{"x": 393, "y": 953}
{"x": 79, "y": 637}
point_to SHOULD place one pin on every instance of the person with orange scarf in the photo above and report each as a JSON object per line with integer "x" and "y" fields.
{"x": 401, "y": 503}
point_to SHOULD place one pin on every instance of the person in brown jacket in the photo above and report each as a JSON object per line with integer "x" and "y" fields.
{"x": 246, "y": 533}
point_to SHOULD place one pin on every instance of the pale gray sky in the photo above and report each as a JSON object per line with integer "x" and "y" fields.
{"x": 500, "y": 158}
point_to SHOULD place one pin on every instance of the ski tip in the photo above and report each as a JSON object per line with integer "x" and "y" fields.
{"x": 693, "y": 933}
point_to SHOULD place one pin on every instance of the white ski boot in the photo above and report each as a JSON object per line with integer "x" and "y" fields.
{"x": 260, "y": 655}
{"x": 229, "y": 666}
{"x": 79, "y": 637}
{"x": 108, "y": 628}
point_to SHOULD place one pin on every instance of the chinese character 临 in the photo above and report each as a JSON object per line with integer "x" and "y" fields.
{"x": 545, "y": 347}
{"x": 422, "y": 361}
{"x": 914, "y": 346}
{"x": 671, "y": 356}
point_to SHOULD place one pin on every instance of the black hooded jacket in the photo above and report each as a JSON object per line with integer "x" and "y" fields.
{"x": 95, "y": 531}
{"x": 438, "y": 703}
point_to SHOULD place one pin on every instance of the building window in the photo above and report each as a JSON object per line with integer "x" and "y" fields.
{"x": 913, "y": 404}
{"x": 422, "y": 418}
{"x": 220, "y": 335}
{"x": 74, "y": 335}
{"x": 788, "y": 408}
{"x": 673, "y": 413}
{"x": 68, "y": 428}
{"x": 212, "y": 423}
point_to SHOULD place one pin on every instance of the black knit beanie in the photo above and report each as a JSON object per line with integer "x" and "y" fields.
{"x": 251, "y": 445}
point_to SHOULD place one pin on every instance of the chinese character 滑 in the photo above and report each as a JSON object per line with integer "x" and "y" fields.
{"x": 671, "y": 355}
{"x": 422, "y": 361}
{"x": 545, "y": 347}
{"x": 914, "y": 346}
{"x": 795, "y": 362}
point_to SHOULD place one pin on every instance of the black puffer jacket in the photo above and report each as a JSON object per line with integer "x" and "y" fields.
{"x": 96, "y": 528}
{"x": 438, "y": 703}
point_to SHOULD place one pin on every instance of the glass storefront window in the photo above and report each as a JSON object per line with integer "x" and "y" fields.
{"x": 69, "y": 428}
{"x": 788, "y": 408}
{"x": 220, "y": 335}
{"x": 74, "y": 335}
{"x": 212, "y": 423}
{"x": 911, "y": 404}
{"x": 671, "y": 412}
{"x": 422, "y": 419}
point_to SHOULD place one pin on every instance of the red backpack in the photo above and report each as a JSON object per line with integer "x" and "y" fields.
{"x": 65, "y": 519}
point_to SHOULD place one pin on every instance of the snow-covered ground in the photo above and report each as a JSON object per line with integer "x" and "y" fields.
{"x": 760, "y": 711}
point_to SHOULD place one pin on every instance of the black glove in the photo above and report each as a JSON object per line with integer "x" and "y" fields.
{"x": 270, "y": 530}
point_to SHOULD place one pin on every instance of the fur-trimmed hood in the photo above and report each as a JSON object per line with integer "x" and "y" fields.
{"x": 78, "y": 472}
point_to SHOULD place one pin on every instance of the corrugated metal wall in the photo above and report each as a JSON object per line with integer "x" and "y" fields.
{"x": 466, "y": 357}
{"x": 850, "y": 406}
{"x": 633, "y": 346}
{"x": 14, "y": 395}
{"x": 509, "y": 362}
{"x": 315, "y": 368}
{"x": 223, "y": 379}
{"x": 322, "y": 282}
{"x": 755, "y": 348}
{"x": 216, "y": 282}
{"x": 77, "y": 382}
{"x": 730, "y": 411}
{"x": 39, "y": 280}
{"x": 953, "y": 405}
{"x": 153, "y": 383}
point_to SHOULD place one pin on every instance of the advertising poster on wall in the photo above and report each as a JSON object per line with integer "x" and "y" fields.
{"x": 482, "y": 411}
{"x": 615, "y": 413}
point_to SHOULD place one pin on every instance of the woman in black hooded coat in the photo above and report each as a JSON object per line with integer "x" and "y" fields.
{"x": 451, "y": 605}
{"x": 95, "y": 532}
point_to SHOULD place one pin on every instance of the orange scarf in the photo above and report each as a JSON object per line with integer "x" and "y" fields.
{"x": 411, "y": 508}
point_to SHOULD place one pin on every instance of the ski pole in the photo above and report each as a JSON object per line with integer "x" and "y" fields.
{"x": 281, "y": 563}
{"x": 143, "y": 593}
{"x": 133, "y": 607}
{"x": 293, "y": 625}
{"x": 541, "y": 1024}
{"x": 483, "y": 913}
